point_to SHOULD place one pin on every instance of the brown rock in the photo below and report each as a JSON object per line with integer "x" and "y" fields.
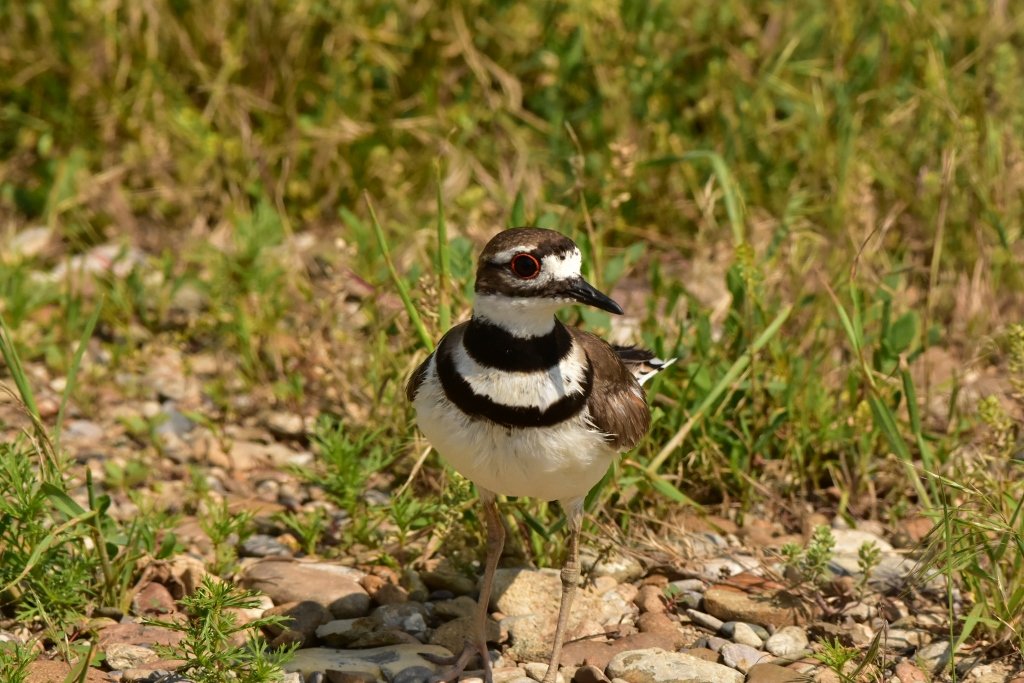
{"x": 334, "y": 586}
{"x": 773, "y": 673}
{"x": 650, "y": 599}
{"x": 384, "y": 592}
{"x": 662, "y": 624}
{"x": 590, "y": 674}
{"x": 908, "y": 673}
{"x": 138, "y": 634}
{"x": 768, "y": 606}
{"x": 454, "y": 634}
{"x": 658, "y": 632}
{"x": 153, "y": 599}
{"x": 303, "y": 620}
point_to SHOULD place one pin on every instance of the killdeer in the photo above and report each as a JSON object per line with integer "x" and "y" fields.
{"x": 523, "y": 405}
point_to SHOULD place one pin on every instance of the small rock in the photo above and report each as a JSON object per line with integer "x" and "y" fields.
{"x": 744, "y": 634}
{"x": 650, "y": 599}
{"x": 683, "y": 585}
{"x": 304, "y": 618}
{"x": 405, "y": 616}
{"x": 860, "y": 635}
{"x": 153, "y": 599}
{"x": 904, "y": 639}
{"x": 462, "y": 606}
{"x": 380, "y": 662}
{"x": 590, "y": 674}
{"x": 622, "y": 568}
{"x": 655, "y": 665}
{"x": 706, "y": 620}
{"x": 413, "y": 584}
{"x": 742, "y": 657}
{"x": 453, "y": 635}
{"x": 127, "y": 656}
{"x": 787, "y": 641}
{"x": 384, "y": 592}
{"x": 449, "y": 579}
{"x": 718, "y": 568}
{"x": 906, "y": 672}
{"x": 769, "y": 607}
{"x": 334, "y": 586}
{"x": 934, "y": 657}
{"x": 773, "y": 673}
{"x": 849, "y": 541}
{"x": 285, "y": 424}
{"x": 263, "y": 545}
{"x": 537, "y": 670}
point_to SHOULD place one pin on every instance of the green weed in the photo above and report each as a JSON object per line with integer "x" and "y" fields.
{"x": 208, "y": 647}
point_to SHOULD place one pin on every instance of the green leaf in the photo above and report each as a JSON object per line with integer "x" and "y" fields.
{"x": 903, "y": 332}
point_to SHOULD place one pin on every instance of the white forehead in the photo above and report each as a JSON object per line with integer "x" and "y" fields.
{"x": 562, "y": 266}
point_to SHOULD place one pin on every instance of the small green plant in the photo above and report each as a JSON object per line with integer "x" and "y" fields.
{"x": 810, "y": 563}
{"x": 868, "y": 557}
{"x": 14, "y": 661}
{"x": 308, "y": 526}
{"x": 208, "y": 648}
{"x": 226, "y": 530}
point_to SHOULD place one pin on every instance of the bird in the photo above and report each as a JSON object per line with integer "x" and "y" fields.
{"x": 523, "y": 405}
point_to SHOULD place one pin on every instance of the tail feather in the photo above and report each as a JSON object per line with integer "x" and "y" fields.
{"x": 641, "y": 362}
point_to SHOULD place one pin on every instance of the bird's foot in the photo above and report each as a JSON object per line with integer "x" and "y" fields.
{"x": 456, "y": 664}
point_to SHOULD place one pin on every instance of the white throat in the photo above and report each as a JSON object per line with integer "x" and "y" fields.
{"x": 519, "y": 316}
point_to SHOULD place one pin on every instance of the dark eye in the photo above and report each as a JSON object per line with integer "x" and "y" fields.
{"x": 525, "y": 265}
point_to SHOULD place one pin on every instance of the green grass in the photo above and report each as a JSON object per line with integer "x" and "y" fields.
{"x": 810, "y": 200}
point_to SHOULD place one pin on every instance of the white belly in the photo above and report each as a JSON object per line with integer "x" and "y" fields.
{"x": 562, "y": 462}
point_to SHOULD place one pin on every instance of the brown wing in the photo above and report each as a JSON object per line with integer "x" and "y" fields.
{"x": 617, "y": 403}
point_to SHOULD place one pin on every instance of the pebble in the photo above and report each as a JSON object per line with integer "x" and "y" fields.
{"x": 742, "y": 633}
{"x": 650, "y": 599}
{"x": 787, "y": 641}
{"x": 537, "y": 670}
{"x": 742, "y": 657}
{"x": 706, "y": 620}
{"x": 128, "y": 656}
{"x": 906, "y": 672}
{"x": 934, "y": 657}
{"x": 904, "y": 639}
{"x": 849, "y": 541}
{"x": 654, "y": 665}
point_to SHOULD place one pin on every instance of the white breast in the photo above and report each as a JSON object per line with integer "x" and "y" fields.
{"x": 561, "y": 462}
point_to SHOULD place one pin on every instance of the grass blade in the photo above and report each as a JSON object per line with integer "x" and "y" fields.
{"x": 403, "y": 289}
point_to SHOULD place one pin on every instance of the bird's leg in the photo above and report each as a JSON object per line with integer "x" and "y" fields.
{"x": 570, "y": 579}
{"x": 495, "y": 543}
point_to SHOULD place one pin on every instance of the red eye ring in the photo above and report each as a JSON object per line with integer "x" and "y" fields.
{"x": 525, "y": 266}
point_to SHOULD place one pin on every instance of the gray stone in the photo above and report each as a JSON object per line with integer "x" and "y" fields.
{"x": 849, "y": 541}
{"x": 743, "y": 657}
{"x": 128, "y": 656}
{"x": 537, "y": 670}
{"x": 655, "y": 665}
{"x": 380, "y": 662}
{"x": 744, "y": 634}
{"x": 705, "y": 620}
{"x": 787, "y": 641}
{"x": 263, "y": 545}
{"x": 904, "y": 639}
{"x": 934, "y": 657}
